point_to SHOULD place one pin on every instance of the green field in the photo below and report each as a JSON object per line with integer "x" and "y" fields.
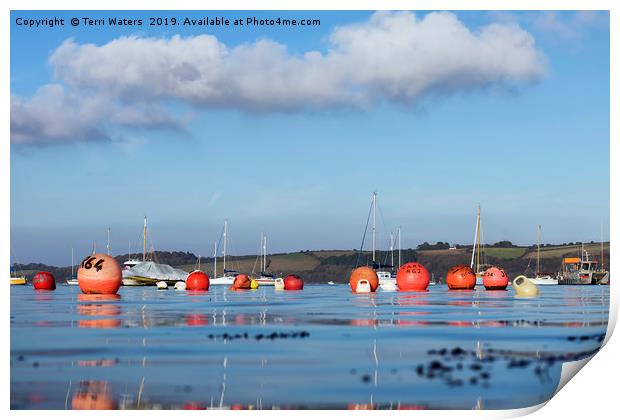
{"x": 505, "y": 253}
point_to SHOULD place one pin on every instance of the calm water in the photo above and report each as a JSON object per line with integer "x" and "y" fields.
{"x": 322, "y": 347}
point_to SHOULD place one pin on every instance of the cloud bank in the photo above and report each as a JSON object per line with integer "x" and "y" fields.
{"x": 394, "y": 57}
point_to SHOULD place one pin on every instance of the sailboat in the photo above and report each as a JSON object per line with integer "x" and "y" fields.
{"x": 265, "y": 279}
{"x": 541, "y": 279}
{"x": 476, "y": 252}
{"x": 149, "y": 273}
{"x": 72, "y": 281}
{"x": 387, "y": 279}
{"x": 17, "y": 278}
{"x": 228, "y": 276}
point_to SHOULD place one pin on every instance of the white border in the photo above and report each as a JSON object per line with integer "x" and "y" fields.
{"x": 593, "y": 394}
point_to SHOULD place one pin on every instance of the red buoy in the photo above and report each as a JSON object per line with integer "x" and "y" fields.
{"x": 293, "y": 282}
{"x": 197, "y": 280}
{"x": 495, "y": 278}
{"x": 100, "y": 274}
{"x": 241, "y": 282}
{"x": 412, "y": 277}
{"x": 44, "y": 280}
{"x": 461, "y": 277}
{"x": 364, "y": 273}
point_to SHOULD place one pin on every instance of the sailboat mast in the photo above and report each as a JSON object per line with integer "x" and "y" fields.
{"x": 262, "y": 241}
{"x": 214, "y": 259}
{"x": 225, "y": 237}
{"x": 374, "y": 225}
{"x": 392, "y": 248}
{"x": 264, "y": 253}
{"x": 144, "y": 241}
{"x": 538, "y": 253}
{"x": 108, "y": 244}
{"x": 479, "y": 240}
{"x": 399, "y": 247}
{"x": 473, "y": 251}
{"x": 72, "y": 263}
{"x": 602, "y": 253}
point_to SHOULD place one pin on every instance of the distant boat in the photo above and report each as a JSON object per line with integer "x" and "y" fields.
{"x": 72, "y": 281}
{"x": 331, "y": 283}
{"x": 387, "y": 279}
{"x": 265, "y": 278}
{"x": 228, "y": 276}
{"x": 149, "y": 273}
{"x": 17, "y": 278}
{"x": 582, "y": 270}
{"x": 476, "y": 252}
{"x": 541, "y": 279}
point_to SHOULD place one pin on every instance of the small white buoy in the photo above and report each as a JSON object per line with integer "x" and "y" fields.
{"x": 179, "y": 285}
{"x": 363, "y": 286}
{"x": 161, "y": 285}
{"x": 278, "y": 284}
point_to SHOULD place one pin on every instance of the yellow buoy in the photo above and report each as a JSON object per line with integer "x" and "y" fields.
{"x": 524, "y": 287}
{"x": 253, "y": 284}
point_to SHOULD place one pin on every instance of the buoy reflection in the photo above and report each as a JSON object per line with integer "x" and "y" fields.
{"x": 93, "y": 395}
{"x": 96, "y": 307}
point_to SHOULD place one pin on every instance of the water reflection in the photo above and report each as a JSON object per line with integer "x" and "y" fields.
{"x": 93, "y": 395}
{"x": 248, "y": 348}
{"x": 95, "y": 306}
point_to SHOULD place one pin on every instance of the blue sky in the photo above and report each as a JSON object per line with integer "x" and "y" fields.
{"x": 511, "y": 113}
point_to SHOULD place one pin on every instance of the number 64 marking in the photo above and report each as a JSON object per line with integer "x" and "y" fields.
{"x": 87, "y": 263}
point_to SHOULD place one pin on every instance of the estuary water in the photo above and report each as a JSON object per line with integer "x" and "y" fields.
{"x": 320, "y": 348}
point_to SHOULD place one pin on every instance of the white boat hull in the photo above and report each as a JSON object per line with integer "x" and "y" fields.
{"x": 544, "y": 281}
{"x": 222, "y": 281}
{"x": 387, "y": 283}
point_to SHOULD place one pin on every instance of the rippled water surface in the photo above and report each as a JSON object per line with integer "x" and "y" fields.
{"x": 322, "y": 347}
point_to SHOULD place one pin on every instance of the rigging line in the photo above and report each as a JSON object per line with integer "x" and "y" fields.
{"x": 385, "y": 229}
{"x": 359, "y": 251}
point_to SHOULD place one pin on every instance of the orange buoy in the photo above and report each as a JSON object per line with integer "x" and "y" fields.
{"x": 293, "y": 282}
{"x": 44, "y": 280}
{"x": 412, "y": 277}
{"x": 461, "y": 277}
{"x": 241, "y": 282}
{"x": 197, "y": 280}
{"x": 364, "y": 273}
{"x": 100, "y": 274}
{"x": 495, "y": 278}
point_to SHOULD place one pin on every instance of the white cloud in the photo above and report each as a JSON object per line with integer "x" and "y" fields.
{"x": 391, "y": 57}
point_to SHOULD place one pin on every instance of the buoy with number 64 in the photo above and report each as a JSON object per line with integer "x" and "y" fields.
{"x": 99, "y": 274}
